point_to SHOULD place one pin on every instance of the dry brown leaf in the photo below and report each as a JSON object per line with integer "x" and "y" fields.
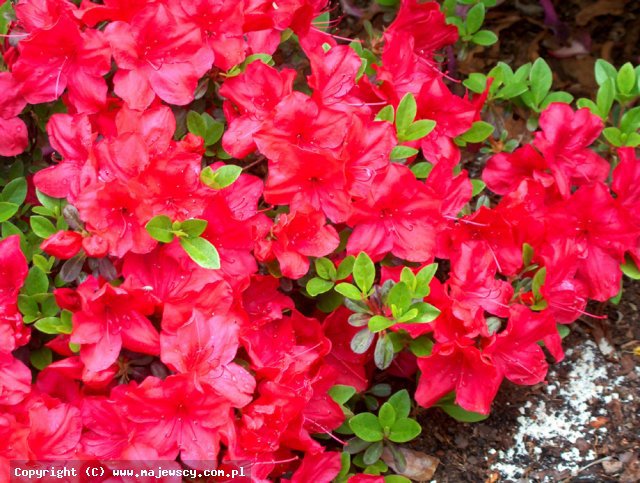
{"x": 420, "y": 466}
{"x": 601, "y": 7}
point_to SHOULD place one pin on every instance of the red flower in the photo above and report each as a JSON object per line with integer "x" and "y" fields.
{"x": 157, "y": 54}
{"x": 62, "y": 244}
{"x": 15, "y": 380}
{"x": 13, "y": 131}
{"x": 205, "y": 348}
{"x": 61, "y": 56}
{"x": 403, "y": 221}
{"x": 296, "y": 236}
{"x": 460, "y": 367}
{"x": 112, "y": 318}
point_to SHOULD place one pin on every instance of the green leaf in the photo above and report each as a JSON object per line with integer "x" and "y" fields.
{"x": 6, "y": 16}
{"x": 387, "y": 415}
{"x": 421, "y": 347}
{"x": 630, "y": 269}
{"x": 396, "y": 479}
{"x": 402, "y": 152}
{"x": 476, "y": 82}
{"x": 400, "y": 297}
{"x": 362, "y": 341}
{"x": 316, "y": 286}
{"x": 42, "y": 227}
{"x": 401, "y": 402}
{"x": 325, "y": 268}
{"x": 160, "y": 228}
{"x": 202, "y": 252}
{"x": 560, "y": 96}
{"x": 462, "y": 415}
{"x": 366, "y": 427}
{"x": 604, "y": 70}
{"x": 404, "y": 430}
{"x": 41, "y": 358}
{"x": 383, "y": 353}
{"x": 364, "y": 272}
{"x": 475, "y": 18}
{"x": 406, "y": 112}
{"x": 380, "y": 390}
{"x": 213, "y": 130}
{"x": 478, "y": 132}
{"x": 613, "y": 135}
{"x": 478, "y": 186}
{"x": 626, "y": 78}
{"x": 379, "y": 323}
{"x": 563, "y": 330}
{"x": 196, "y": 124}
{"x": 27, "y": 305}
{"x": 53, "y": 325}
{"x": 423, "y": 280}
{"x": 341, "y": 393}
{"x": 541, "y": 80}
{"x": 37, "y": 282}
{"x": 221, "y": 177}
{"x": 358, "y": 320}
{"x": 346, "y": 267}
{"x": 373, "y": 453}
{"x": 426, "y": 312}
{"x": 194, "y": 227}
{"x": 630, "y": 120}
{"x": 527, "y": 254}
{"x": 422, "y": 170}
{"x": 7, "y": 210}
{"x": 15, "y": 191}
{"x": 349, "y": 290}
{"x": 605, "y": 97}
{"x": 386, "y": 114}
{"x": 356, "y": 445}
{"x": 418, "y": 130}
{"x": 53, "y": 204}
{"x": 484, "y": 38}
{"x": 538, "y": 282}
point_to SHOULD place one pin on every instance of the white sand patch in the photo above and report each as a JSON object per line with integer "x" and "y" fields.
{"x": 543, "y": 427}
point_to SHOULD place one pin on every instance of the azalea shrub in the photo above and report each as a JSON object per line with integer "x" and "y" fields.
{"x": 231, "y": 235}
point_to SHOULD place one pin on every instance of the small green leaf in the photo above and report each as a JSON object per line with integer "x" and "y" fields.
{"x": 418, "y": 130}
{"x": 37, "y": 282}
{"x": 603, "y": 71}
{"x": 404, "y": 430}
{"x": 614, "y": 136}
{"x": 527, "y": 254}
{"x": 630, "y": 120}
{"x": 560, "y": 96}
{"x": 359, "y": 320}
{"x": 478, "y": 132}
{"x": 379, "y": 323}
{"x": 52, "y": 325}
{"x": 41, "y": 358}
{"x": 202, "y": 252}
{"x": 402, "y": 152}
{"x": 406, "y": 113}
{"x": 317, "y": 286}
{"x": 422, "y": 170}
{"x": 401, "y": 402}
{"x": 387, "y": 415}
{"x": 386, "y": 114}
{"x": 196, "y": 124}
{"x": 349, "y": 290}
{"x": 42, "y": 227}
{"x": 538, "y": 282}
{"x": 484, "y": 38}
{"x": 381, "y": 390}
{"x": 221, "y": 177}
{"x": 366, "y": 427}
{"x": 213, "y": 130}
{"x": 194, "y": 227}
{"x": 7, "y": 210}
{"x": 160, "y": 228}
{"x": 478, "y": 186}
{"x": 475, "y": 18}
{"x": 476, "y": 82}
{"x": 383, "y": 353}
{"x": 15, "y": 191}
{"x": 346, "y": 267}
{"x": 364, "y": 272}
{"x": 541, "y": 80}
{"x": 341, "y": 393}
{"x": 563, "y": 330}
{"x": 630, "y": 269}
{"x": 399, "y": 296}
{"x": 626, "y": 78}
{"x": 423, "y": 280}
{"x": 373, "y": 453}
{"x": 362, "y": 341}
{"x": 421, "y": 347}
{"x": 356, "y": 445}
{"x": 325, "y": 268}
{"x": 462, "y": 415}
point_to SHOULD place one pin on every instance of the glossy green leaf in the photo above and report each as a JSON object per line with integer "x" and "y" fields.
{"x": 379, "y": 323}
{"x": 341, "y": 393}
{"x": 42, "y": 226}
{"x": 194, "y": 227}
{"x": 221, "y": 177}
{"x": 387, "y": 415}
{"x": 366, "y": 427}
{"x": 406, "y": 112}
{"x": 201, "y": 251}
{"x": 401, "y": 402}
{"x": 484, "y": 38}
{"x": 15, "y": 191}
{"x": 404, "y": 430}
{"x": 317, "y": 286}
{"x": 349, "y": 290}
{"x": 364, "y": 272}
{"x": 402, "y": 152}
{"x": 7, "y": 210}
{"x": 325, "y": 268}
{"x": 160, "y": 228}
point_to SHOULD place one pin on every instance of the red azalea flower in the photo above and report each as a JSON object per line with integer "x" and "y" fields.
{"x": 205, "y": 348}
{"x": 400, "y": 216}
{"x": 62, "y": 244}
{"x": 15, "y": 379}
{"x": 14, "y": 138}
{"x": 60, "y": 57}
{"x": 112, "y": 318}
{"x": 296, "y": 236}
{"x": 157, "y": 55}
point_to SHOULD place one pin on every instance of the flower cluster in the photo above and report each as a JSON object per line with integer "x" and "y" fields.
{"x": 151, "y": 354}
